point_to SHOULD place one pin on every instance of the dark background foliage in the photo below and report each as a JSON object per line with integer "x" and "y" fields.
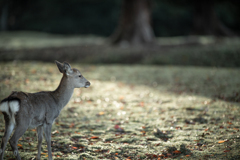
{"x": 169, "y": 18}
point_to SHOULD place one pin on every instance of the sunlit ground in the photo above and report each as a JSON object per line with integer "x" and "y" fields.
{"x": 135, "y": 112}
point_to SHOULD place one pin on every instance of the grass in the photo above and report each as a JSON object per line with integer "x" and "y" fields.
{"x": 135, "y": 112}
{"x": 187, "y": 51}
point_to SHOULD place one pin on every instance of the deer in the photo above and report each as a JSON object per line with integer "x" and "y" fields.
{"x": 39, "y": 110}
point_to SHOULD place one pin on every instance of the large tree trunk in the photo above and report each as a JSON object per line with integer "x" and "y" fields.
{"x": 134, "y": 26}
{"x": 206, "y": 21}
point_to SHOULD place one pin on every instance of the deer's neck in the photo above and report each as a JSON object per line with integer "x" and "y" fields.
{"x": 64, "y": 92}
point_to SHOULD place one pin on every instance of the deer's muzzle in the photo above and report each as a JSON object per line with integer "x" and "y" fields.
{"x": 87, "y": 84}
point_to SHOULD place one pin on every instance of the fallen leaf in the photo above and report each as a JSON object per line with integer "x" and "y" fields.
{"x": 199, "y": 144}
{"x": 221, "y": 141}
{"x": 226, "y": 151}
{"x": 27, "y": 81}
{"x": 177, "y": 128}
{"x": 72, "y": 125}
{"x": 177, "y": 151}
{"x": 33, "y": 71}
{"x": 77, "y": 132}
{"x": 19, "y": 145}
{"x": 188, "y": 155}
{"x": 74, "y": 147}
{"x": 141, "y": 104}
{"x": 116, "y": 126}
{"x": 89, "y": 101}
{"x": 101, "y": 113}
{"x": 121, "y": 97}
{"x": 94, "y": 137}
{"x": 154, "y": 156}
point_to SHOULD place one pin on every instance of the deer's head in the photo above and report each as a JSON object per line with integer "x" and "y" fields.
{"x": 73, "y": 75}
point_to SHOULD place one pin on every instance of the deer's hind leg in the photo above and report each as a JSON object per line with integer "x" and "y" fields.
{"x": 21, "y": 127}
{"x": 9, "y": 126}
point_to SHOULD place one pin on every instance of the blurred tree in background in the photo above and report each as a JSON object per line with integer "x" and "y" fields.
{"x": 205, "y": 20}
{"x": 169, "y": 17}
{"x": 11, "y": 11}
{"x": 64, "y": 17}
{"x": 135, "y": 23}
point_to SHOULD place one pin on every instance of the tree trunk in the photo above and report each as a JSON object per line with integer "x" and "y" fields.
{"x": 134, "y": 26}
{"x": 206, "y": 21}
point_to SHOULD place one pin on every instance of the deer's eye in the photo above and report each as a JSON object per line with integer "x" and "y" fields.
{"x": 80, "y": 76}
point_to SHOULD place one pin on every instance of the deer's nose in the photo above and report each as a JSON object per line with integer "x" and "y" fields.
{"x": 87, "y": 84}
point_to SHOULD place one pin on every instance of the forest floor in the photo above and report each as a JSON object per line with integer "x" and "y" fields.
{"x": 135, "y": 112}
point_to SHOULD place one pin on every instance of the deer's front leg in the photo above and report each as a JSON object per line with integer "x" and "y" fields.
{"x": 40, "y": 137}
{"x": 47, "y": 131}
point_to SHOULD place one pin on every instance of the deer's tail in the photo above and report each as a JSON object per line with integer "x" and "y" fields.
{"x": 10, "y": 108}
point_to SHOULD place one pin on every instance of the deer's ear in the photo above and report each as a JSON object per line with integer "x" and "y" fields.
{"x": 64, "y": 67}
{"x": 67, "y": 68}
{"x": 60, "y": 66}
